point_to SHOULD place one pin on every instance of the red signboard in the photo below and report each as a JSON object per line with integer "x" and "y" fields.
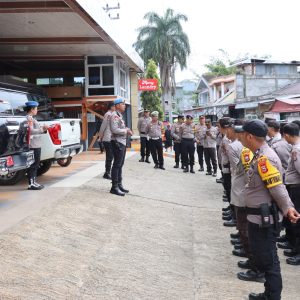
{"x": 148, "y": 85}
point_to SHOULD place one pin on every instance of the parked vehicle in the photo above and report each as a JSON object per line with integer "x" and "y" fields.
{"x": 62, "y": 140}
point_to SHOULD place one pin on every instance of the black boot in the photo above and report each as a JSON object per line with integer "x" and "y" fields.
{"x": 201, "y": 169}
{"x": 186, "y": 169}
{"x": 122, "y": 189}
{"x": 156, "y": 166}
{"x": 34, "y": 185}
{"x": 192, "y": 169}
{"x": 142, "y": 159}
{"x": 147, "y": 160}
{"x": 161, "y": 167}
{"x": 116, "y": 191}
{"x": 176, "y": 166}
{"x": 106, "y": 175}
{"x": 182, "y": 166}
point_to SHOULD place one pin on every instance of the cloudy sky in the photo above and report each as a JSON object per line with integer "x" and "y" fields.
{"x": 237, "y": 26}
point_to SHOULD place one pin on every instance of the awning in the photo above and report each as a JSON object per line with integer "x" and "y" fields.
{"x": 288, "y": 105}
{"x": 246, "y": 105}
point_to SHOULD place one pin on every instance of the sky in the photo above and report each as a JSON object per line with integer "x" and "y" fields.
{"x": 257, "y": 27}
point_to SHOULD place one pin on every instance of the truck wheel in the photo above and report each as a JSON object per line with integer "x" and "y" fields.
{"x": 44, "y": 167}
{"x": 64, "y": 162}
{"x": 12, "y": 178}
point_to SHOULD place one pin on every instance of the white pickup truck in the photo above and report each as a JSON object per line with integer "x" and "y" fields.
{"x": 61, "y": 142}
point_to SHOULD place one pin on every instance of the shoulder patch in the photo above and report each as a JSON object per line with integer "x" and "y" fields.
{"x": 268, "y": 173}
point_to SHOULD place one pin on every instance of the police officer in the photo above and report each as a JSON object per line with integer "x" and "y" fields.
{"x": 35, "y": 143}
{"x": 105, "y": 137}
{"x": 210, "y": 136}
{"x": 273, "y": 132}
{"x": 200, "y": 128}
{"x": 154, "y": 130}
{"x": 187, "y": 136}
{"x": 119, "y": 133}
{"x": 292, "y": 180}
{"x": 177, "y": 141}
{"x": 142, "y": 125}
{"x": 263, "y": 190}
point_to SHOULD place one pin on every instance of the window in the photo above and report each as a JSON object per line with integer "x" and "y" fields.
{"x": 108, "y": 75}
{"x": 94, "y": 76}
{"x": 123, "y": 84}
{"x": 50, "y": 81}
{"x": 78, "y": 81}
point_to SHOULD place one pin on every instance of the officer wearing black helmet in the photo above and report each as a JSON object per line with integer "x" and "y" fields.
{"x": 266, "y": 199}
{"x": 35, "y": 143}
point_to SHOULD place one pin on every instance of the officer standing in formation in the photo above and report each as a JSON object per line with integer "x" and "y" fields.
{"x": 105, "y": 137}
{"x": 177, "y": 141}
{"x": 154, "y": 131}
{"x": 210, "y": 135}
{"x": 142, "y": 126}
{"x": 35, "y": 143}
{"x": 200, "y": 129}
{"x": 187, "y": 137}
{"x": 119, "y": 133}
{"x": 292, "y": 181}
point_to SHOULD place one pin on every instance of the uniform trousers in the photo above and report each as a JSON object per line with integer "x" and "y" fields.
{"x": 145, "y": 147}
{"x": 227, "y": 185}
{"x": 109, "y": 156}
{"x": 119, "y": 152}
{"x": 188, "y": 152}
{"x": 32, "y": 170}
{"x": 210, "y": 159}
{"x": 263, "y": 246}
{"x": 156, "y": 149}
{"x": 178, "y": 155}
{"x": 200, "y": 151}
{"x": 293, "y": 230}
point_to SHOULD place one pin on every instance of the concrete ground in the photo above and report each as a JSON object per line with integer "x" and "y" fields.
{"x": 165, "y": 240}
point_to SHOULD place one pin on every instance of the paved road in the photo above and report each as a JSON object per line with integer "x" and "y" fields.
{"x": 163, "y": 241}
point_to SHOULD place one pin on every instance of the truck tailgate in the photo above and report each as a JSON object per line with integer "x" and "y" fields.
{"x": 70, "y": 131}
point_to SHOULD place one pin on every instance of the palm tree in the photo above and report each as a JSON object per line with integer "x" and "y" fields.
{"x": 164, "y": 41}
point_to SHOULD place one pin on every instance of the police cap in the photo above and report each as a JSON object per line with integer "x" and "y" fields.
{"x": 180, "y": 117}
{"x": 146, "y": 109}
{"x": 256, "y": 127}
{"x": 118, "y": 101}
{"x": 189, "y": 117}
{"x": 31, "y": 104}
{"x": 154, "y": 114}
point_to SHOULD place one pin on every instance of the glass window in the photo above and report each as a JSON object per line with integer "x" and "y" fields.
{"x": 42, "y": 81}
{"x": 5, "y": 108}
{"x": 50, "y": 81}
{"x": 108, "y": 75}
{"x": 94, "y": 76}
{"x": 56, "y": 81}
{"x": 101, "y": 60}
{"x": 79, "y": 81}
{"x": 122, "y": 79}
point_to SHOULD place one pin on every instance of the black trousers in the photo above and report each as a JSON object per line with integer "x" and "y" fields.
{"x": 188, "y": 152}
{"x": 32, "y": 170}
{"x": 293, "y": 230}
{"x": 178, "y": 155}
{"x": 263, "y": 246}
{"x": 156, "y": 149}
{"x": 200, "y": 152}
{"x": 210, "y": 159}
{"x": 101, "y": 146}
{"x": 145, "y": 147}
{"x": 119, "y": 152}
{"x": 227, "y": 185}
{"x": 109, "y": 156}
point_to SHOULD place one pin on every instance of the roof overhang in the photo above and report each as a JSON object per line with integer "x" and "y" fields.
{"x": 59, "y": 30}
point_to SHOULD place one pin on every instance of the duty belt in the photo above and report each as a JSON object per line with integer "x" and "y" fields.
{"x": 143, "y": 132}
{"x": 293, "y": 186}
{"x": 187, "y": 139}
{"x": 257, "y": 211}
{"x": 155, "y": 138}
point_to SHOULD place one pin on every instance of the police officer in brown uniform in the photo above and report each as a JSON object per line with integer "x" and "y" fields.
{"x": 119, "y": 133}
{"x": 142, "y": 125}
{"x": 177, "y": 141}
{"x": 292, "y": 180}
{"x": 154, "y": 130}
{"x": 265, "y": 192}
{"x": 187, "y": 135}
{"x": 200, "y": 128}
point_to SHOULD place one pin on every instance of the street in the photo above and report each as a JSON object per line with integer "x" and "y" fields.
{"x": 164, "y": 240}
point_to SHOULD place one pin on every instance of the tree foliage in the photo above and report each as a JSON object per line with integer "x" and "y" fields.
{"x": 164, "y": 41}
{"x": 151, "y": 99}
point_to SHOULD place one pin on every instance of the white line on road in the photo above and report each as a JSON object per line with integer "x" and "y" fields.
{"x": 85, "y": 175}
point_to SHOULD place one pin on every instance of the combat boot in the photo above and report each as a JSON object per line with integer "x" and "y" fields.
{"x": 192, "y": 170}
{"x": 185, "y": 169}
{"x": 116, "y": 191}
{"x": 147, "y": 160}
{"x": 106, "y": 175}
{"x": 142, "y": 159}
{"x": 161, "y": 167}
{"x": 122, "y": 189}
{"x": 34, "y": 186}
{"x": 176, "y": 166}
{"x": 182, "y": 166}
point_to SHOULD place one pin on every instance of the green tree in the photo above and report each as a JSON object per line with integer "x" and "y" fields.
{"x": 164, "y": 41}
{"x": 151, "y": 99}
